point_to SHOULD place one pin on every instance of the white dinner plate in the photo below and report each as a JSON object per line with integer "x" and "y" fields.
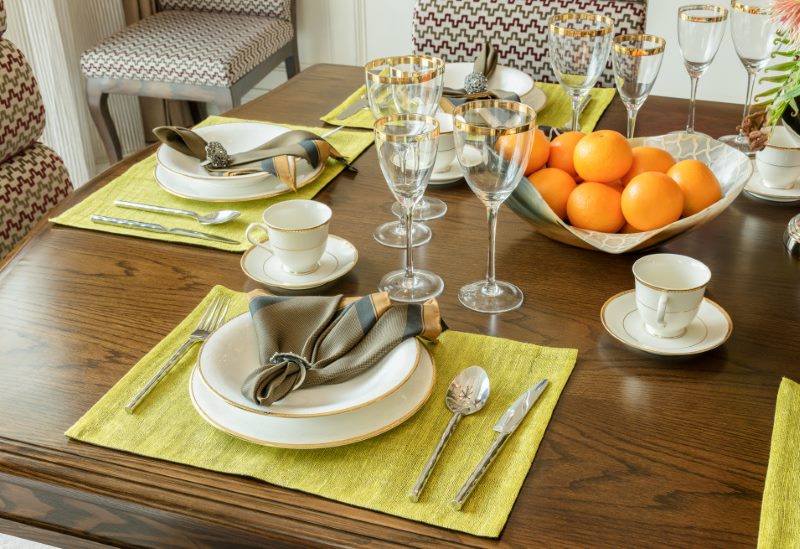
{"x": 711, "y": 328}
{"x": 322, "y": 431}
{"x": 448, "y": 176}
{"x": 230, "y": 354}
{"x": 503, "y": 78}
{"x": 236, "y": 137}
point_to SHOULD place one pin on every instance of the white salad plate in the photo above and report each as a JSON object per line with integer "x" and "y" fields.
{"x": 263, "y": 266}
{"x": 503, "y": 78}
{"x": 322, "y": 431}
{"x": 448, "y": 176}
{"x": 236, "y": 137}
{"x": 711, "y": 328}
{"x": 230, "y": 354}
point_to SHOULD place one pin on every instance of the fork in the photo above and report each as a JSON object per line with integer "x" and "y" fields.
{"x": 211, "y": 320}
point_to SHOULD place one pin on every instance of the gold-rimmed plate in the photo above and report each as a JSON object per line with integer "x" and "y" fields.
{"x": 322, "y": 431}
{"x": 230, "y": 354}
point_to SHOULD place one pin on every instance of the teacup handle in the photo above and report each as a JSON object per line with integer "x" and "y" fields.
{"x": 661, "y": 310}
{"x": 251, "y": 239}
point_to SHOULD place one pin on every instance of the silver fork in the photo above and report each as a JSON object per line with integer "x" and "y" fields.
{"x": 211, "y": 320}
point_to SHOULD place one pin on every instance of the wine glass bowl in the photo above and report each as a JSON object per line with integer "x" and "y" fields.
{"x": 493, "y": 139}
{"x": 636, "y": 59}
{"x": 578, "y": 44}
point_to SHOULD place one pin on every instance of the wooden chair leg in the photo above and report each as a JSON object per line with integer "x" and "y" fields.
{"x": 225, "y": 99}
{"x": 98, "y": 107}
{"x": 293, "y": 61}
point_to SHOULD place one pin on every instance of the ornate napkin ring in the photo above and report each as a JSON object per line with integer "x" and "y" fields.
{"x": 216, "y": 155}
{"x": 476, "y": 82}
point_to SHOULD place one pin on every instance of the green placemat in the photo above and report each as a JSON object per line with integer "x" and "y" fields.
{"x": 377, "y": 473}
{"x": 780, "y": 506}
{"x": 138, "y": 184}
{"x": 557, "y": 111}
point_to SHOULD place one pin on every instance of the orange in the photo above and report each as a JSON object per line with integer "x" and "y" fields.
{"x": 536, "y": 155}
{"x": 595, "y": 206}
{"x": 555, "y": 187}
{"x": 562, "y": 148}
{"x": 616, "y": 185}
{"x": 602, "y": 156}
{"x": 699, "y": 185}
{"x": 652, "y": 200}
{"x": 628, "y": 228}
{"x": 648, "y": 159}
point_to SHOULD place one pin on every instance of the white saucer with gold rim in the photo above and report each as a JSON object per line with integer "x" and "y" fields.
{"x": 711, "y": 328}
{"x": 263, "y": 266}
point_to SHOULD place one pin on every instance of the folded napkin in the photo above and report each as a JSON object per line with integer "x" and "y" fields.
{"x": 278, "y": 156}
{"x": 476, "y": 84}
{"x": 307, "y": 341}
{"x": 780, "y": 506}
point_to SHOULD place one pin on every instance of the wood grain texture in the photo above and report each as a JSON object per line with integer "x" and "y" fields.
{"x": 641, "y": 451}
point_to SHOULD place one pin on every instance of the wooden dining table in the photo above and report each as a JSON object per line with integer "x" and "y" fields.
{"x": 641, "y": 451}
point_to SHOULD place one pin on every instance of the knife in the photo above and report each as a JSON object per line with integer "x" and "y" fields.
{"x": 153, "y": 227}
{"x": 357, "y": 106}
{"x": 505, "y": 427}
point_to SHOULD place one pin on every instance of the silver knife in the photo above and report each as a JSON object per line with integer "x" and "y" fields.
{"x": 153, "y": 227}
{"x": 358, "y": 105}
{"x": 505, "y": 427}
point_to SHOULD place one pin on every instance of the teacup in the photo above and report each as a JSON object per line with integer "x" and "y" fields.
{"x": 779, "y": 161}
{"x": 297, "y": 231}
{"x": 669, "y": 292}
{"x": 446, "y": 150}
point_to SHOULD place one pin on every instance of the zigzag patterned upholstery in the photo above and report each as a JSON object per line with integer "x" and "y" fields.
{"x": 2, "y": 19}
{"x": 199, "y": 48}
{"x": 455, "y": 30}
{"x": 21, "y": 108}
{"x": 263, "y": 8}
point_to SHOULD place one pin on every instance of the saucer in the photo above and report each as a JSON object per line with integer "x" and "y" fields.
{"x": 263, "y": 266}
{"x": 711, "y": 328}
{"x": 756, "y": 187}
{"x": 446, "y": 177}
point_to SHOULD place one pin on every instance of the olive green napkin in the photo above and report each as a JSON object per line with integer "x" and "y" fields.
{"x": 557, "y": 111}
{"x": 138, "y": 184}
{"x": 375, "y": 474}
{"x": 780, "y": 506}
{"x": 314, "y": 340}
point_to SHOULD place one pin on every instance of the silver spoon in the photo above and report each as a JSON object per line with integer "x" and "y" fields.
{"x": 467, "y": 393}
{"x": 214, "y": 218}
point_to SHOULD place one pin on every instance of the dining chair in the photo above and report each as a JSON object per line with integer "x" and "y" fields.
{"x": 455, "y": 30}
{"x": 207, "y": 51}
{"x": 33, "y": 179}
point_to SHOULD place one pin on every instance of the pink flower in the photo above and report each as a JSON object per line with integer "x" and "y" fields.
{"x": 786, "y": 14}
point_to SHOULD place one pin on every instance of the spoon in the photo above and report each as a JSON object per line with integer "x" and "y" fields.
{"x": 467, "y": 394}
{"x": 214, "y": 218}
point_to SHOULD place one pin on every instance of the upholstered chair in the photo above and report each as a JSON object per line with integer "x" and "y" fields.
{"x": 208, "y": 51}
{"x": 455, "y": 30}
{"x": 33, "y": 178}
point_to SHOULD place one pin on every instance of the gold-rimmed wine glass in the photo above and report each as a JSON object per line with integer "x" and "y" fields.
{"x": 636, "y": 59}
{"x": 406, "y": 146}
{"x": 700, "y": 31}
{"x": 753, "y": 32}
{"x": 578, "y": 44}
{"x": 493, "y": 139}
{"x": 406, "y": 84}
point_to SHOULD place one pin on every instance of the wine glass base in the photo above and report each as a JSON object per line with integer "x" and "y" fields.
{"x": 426, "y": 209}
{"x": 741, "y": 145}
{"x": 393, "y": 234}
{"x": 422, "y": 286}
{"x": 690, "y": 133}
{"x": 478, "y": 296}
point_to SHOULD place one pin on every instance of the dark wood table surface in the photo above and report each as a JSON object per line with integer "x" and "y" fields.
{"x": 641, "y": 450}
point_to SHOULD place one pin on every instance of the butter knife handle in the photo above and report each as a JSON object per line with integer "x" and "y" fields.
{"x": 152, "y": 208}
{"x": 129, "y": 223}
{"x": 479, "y": 471}
{"x": 435, "y": 455}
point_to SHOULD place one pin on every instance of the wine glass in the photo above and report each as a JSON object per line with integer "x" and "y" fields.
{"x": 406, "y": 145}
{"x": 410, "y": 84}
{"x": 700, "y": 31}
{"x": 578, "y": 46}
{"x": 753, "y": 33}
{"x": 493, "y": 139}
{"x": 636, "y": 59}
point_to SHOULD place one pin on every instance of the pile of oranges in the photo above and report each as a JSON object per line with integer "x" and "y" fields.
{"x": 599, "y": 182}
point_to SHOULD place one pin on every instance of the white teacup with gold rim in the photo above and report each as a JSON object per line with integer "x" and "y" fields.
{"x": 297, "y": 231}
{"x": 669, "y": 291}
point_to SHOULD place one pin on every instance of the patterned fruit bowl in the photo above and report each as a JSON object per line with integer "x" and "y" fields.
{"x": 731, "y": 167}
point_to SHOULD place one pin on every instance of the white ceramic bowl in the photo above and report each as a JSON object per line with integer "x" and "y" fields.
{"x": 446, "y": 150}
{"x": 731, "y": 167}
{"x": 503, "y": 78}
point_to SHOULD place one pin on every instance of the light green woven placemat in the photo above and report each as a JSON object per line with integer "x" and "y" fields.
{"x": 377, "y": 473}
{"x": 557, "y": 111}
{"x": 139, "y": 185}
{"x": 780, "y": 506}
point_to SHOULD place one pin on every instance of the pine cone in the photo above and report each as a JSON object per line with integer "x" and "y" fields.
{"x": 758, "y": 139}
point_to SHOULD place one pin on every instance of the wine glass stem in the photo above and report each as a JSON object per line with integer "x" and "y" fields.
{"x": 409, "y": 266}
{"x": 751, "y": 80}
{"x": 491, "y": 216}
{"x": 632, "y": 112}
{"x": 576, "y": 106}
{"x": 690, "y": 123}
